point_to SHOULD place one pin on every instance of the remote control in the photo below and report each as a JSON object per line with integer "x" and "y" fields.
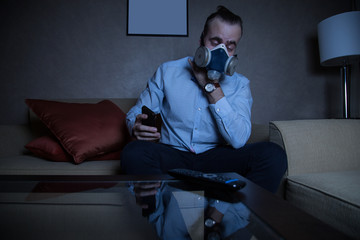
{"x": 208, "y": 179}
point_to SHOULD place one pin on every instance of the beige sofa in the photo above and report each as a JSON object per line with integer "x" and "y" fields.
{"x": 323, "y": 176}
{"x": 16, "y": 160}
{"x": 323, "y": 157}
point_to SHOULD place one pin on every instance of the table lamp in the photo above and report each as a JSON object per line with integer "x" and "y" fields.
{"x": 339, "y": 45}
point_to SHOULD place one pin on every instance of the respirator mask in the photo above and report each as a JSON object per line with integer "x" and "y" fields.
{"x": 216, "y": 61}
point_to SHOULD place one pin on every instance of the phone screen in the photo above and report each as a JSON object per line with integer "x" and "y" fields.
{"x": 150, "y": 121}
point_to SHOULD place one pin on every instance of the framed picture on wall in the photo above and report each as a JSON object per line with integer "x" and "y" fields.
{"x": 157, "y": 17}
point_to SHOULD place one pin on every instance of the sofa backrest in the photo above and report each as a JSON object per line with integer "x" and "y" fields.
{"x": 318, "y": 145}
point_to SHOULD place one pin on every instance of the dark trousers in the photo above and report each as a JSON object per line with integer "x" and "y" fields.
{"x": 263, "y": 163}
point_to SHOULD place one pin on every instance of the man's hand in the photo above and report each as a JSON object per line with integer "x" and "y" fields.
{"x": 143, "y": 132}
{"x": 199, "y": 73}
{"x": 202, "y": 78}
{"x": 142, "y": 190}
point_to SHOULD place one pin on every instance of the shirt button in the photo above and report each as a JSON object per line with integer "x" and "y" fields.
{"x": 218, "y": 109}
{"x": 199, "y": 109}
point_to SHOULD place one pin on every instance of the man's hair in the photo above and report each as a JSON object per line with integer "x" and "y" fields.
{"x": 224, "y": 14}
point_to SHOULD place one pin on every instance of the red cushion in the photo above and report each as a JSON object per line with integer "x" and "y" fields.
{"x": 49, "y": 148}
{"x": 85, "y": 131}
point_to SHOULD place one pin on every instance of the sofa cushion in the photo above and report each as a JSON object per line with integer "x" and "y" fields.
{"x": 32, "y": 165}
{"x": 84, "y": 130}
{"x": 333, "y": 197}
{"x": 49, "y": 148}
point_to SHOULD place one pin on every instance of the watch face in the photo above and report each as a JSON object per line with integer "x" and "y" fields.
{"x": 209, "y": 87}
{"x": 209, "y": 223}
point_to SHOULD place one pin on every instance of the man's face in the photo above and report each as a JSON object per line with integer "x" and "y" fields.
{"x": 222, "y": 32}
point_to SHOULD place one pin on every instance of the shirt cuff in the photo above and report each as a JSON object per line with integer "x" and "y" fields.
{"x": 221, "y": 108}
{"x": 219, "y": 205}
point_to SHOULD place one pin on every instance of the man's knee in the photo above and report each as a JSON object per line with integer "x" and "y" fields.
{"x": 278, "y": 161}
{"x": 273, "y": 159}
{"x": 275, "y": 154}
{"x": 271, "y": 156}
{"x": 279, "y": 155}
{"x": 133, "y": 156}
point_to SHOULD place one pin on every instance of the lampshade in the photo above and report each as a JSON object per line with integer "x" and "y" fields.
{"x": 339, "y": 39}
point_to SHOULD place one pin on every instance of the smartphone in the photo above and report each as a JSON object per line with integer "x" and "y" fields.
{"x": 153, "y": 120}
{"x": 151, "y": 202}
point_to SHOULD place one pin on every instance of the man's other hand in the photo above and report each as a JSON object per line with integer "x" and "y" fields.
{"x": 143, "y": 132}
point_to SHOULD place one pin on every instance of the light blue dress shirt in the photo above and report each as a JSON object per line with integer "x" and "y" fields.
{"x": 190, "y": 123}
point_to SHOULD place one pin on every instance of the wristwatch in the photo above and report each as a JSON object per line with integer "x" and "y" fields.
{"x": 210, "y": 87}
{"x": 209, "y": 222}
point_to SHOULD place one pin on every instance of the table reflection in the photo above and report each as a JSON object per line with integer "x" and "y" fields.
{"x": 180, "y": 211}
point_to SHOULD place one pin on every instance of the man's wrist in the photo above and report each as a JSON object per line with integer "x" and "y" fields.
{"x": 210, "y": 87}
{"x": 215, "y": 95}
{"x": 215, "y": 214}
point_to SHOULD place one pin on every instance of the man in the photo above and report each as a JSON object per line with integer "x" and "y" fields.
{"x": 202, "y": 130}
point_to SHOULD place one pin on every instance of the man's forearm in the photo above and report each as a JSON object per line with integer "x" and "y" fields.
{"x": 215, "y": 96}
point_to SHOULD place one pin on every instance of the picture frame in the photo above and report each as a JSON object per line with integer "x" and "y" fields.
{"x": 157, "y": 18}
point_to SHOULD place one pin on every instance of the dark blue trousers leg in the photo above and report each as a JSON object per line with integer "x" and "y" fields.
{"x": 142, "y": 157}
{"x": 262, "y": 163}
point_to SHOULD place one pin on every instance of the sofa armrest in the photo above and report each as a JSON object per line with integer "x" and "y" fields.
{"x": 13, "y": 138}
{"x": 318, "y": 145}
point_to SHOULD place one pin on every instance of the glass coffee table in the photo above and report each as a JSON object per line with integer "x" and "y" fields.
{"x": 146, "y": 207}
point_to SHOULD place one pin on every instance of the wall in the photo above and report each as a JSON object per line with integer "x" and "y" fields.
{"x": 79, "y": 49}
